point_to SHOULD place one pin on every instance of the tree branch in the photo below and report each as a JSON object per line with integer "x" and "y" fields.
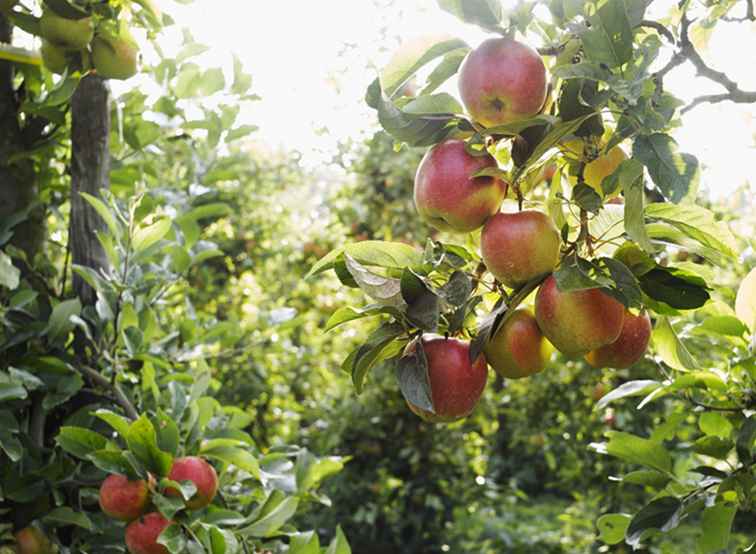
{"x": 102, "y": 381}
{"x": 659, "y": 28}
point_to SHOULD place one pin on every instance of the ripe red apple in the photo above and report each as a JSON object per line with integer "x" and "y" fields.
{"x": 446, "y": 194}
{"x": 517, "y": 247}
{"x": 518, "y": 349}
{"x": 31, "y": 540}
{"x": 123, "y": 499}
{"x": 501, "y": 81}
{"x": 578, "y": 321}
{"x": 199, "y": 472}
{"x": 456, "y": 383}
{"x": 629, "y": 347}
{"x": 142, "y": 534}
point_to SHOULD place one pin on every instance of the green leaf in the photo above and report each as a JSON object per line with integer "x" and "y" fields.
{"x": 587, "y": 198}
{"x": 311, "y": 471}
{"x": 637, "y": 450}
{"x": 647, "y": 477}
{"x": 676, "y": 288}
{"x": 346, "y": 314}
{"x": 146, "y": 236}
{"x": 486, "y": 13}
{"x": 326, "y": 262}
{"x": 610, "y": 37}
{"x": 117, "y": 422}
{"x": 80, "y": 442}
{"x": 630, "y": 178}
{"x": 186, "y": 488}
{"x": 167, "y": 433}
{"x": 112, "y": 461}
{"x": 715, "y": 447}
{"x": 277, "y": 510}
{"x": 412, "y": 56}
{"x": 746, "y": 438}
{"x": 173, "y": 539}
{"x": 64, "y": 516}
{"x": 449, "y": 66}
{"x": 726, "y": 325}
{"x": 441, "y": 103}
{"x": 745, "y": 302}
{"x": 392, "y": 255}
{"x": 373, "y": 351}
{"x": 670, "y": 348}
{"x": 304, "y": 543}
{"x": 715, "y": 424}
{"x": 114, "y": 226}
{"x": 142, "y": 442}
{"x": 676, "y": 175}
{"x": 64, "y": 388}
{"x": 385, "y": 290}
{"x": 414, "y": 382}
{"x": 60, "y": 323}
{"x": 339, "y": 544}
{"x": 716, "y": 523}
{"x": 612, "y": 527}
{"x": 662, "y": 514}
{"x": 238, "y": 457}
{"x": 631, "y": 388}
{"x": 10, "y": 276}
{"x": 552, "y": 138}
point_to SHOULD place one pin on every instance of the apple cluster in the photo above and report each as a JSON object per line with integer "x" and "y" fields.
{"x": 500, "y": 82}
{"x": 106, "y": 46}
{"x": 131, "y": 501}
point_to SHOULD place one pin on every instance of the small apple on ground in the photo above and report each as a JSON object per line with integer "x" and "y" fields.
{"x": 31, "y": 540}
{"x": 456, "y": 383}
{"x": 123, "y": 499}
{"x": 142, "y": 534}
{"x": 629, "y": 347}
{"x": 518, "y": 349}
{"x": 199, "y": 472}
{"x": 502, "y": 81}
{"x": 70, "y": 34}
{"x": 448, "y": 197}
{"x": 577, "y": 322}
{"x": 518, "y": 247}
{"x": 115, "y": 56}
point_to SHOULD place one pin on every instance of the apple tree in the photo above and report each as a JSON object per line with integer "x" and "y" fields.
{"x": 112, "y": 437}
{"x": 569, "y": 220}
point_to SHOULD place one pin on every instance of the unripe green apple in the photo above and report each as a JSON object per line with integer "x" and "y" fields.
{"x": 518, "y": 247}
{"x": 577, "y": 322}
{"x": 123, "y": 499}
{"x": 115, "y": 56}
{"x": 518, "y": 349}
{"x": 199, "y": 472}
{"x": 53, "y": 57}
{"x": 31, "y": 540}
{"x": 448, "y": 197}
{"x": 629, "y": 347}
{"x": 502, "y": 81}
{"x": 71, "y": 34}
{"x": 142, "y": 534}
{"x": 456, "y": 383}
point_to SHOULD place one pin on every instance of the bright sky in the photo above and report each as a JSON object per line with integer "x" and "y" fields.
{"x": 311, "y": 62}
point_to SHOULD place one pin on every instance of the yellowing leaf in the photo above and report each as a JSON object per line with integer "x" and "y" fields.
{"x": 745, "y": 302}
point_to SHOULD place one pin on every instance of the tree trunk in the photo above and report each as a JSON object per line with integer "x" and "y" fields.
{"x": 90, "y": 173}
{"x": 18, "y": 188}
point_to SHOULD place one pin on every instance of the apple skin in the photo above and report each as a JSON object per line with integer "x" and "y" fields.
{"x": 629, "y": 347}
{"x": 456, "y": 383}
{"x": 577, "y": 322}
{"x": 71, "y": 34}
{"x": 518, "y": 247}
{"x": 115, "y": 56}
{"x": 123, "y": 499}
{"x": 199, "y": 472}
{"x": 447, "y": 197}
{"x": 31, "y": 540}
{"x": 596, "y": 170}
{"x": 142, "y": 534}
{"x": 502, "y": 81}
{"x": 53, "y": 57}
{"x": 518, "y": 349}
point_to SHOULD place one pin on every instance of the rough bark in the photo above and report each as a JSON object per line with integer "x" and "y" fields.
{"x": 90, "y": 169}
{"x": 18, "y": 188}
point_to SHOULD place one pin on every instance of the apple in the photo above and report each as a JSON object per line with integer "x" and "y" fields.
{"x": 577, "y": 322}
{"x": 502, "y": 81}
{"x": 142, "y": 534}
{"x": 115, "y": 56}
{"x": 123, "y": 499}
{"x": 31, "y": 540}
{"x": 199, "y": 472}
{"x": 456, "y": 383}
{"x": 629, "y": 347}
{"x": 71, "y": 34}
{"x": 518, "y": 349}
{"x": 448, "y": 197}
{"x": 53, "y": 57}
{"x": 597, "y": 170}
{"x": 518, "y": 247}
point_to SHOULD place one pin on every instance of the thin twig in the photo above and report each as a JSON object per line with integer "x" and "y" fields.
{"x": 659, "y": 28}
{"x": 99, "y": 379}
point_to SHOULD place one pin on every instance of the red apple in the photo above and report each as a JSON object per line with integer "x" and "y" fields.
{"x": 199, "y": 472}
{"x": 456, "y": 383}
{"x": 123, "y": 499}
{"x": 502, "y": 81}
{"x": 577, "y": 322}
{"x": 31, "y": 540}
{"x": 518, "y": 349}
{"x": 448, "y": 197}
{"x": 142, "y": 534}
{"x": 629, "y": 347}
{"x": 518, "y": 247}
